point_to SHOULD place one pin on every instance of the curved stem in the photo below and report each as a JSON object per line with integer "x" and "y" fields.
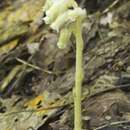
{"x": 78, "y": 76}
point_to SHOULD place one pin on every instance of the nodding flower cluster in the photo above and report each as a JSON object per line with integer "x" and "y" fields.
{"x": 61, "y": 15}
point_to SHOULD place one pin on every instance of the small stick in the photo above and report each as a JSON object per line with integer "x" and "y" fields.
{"x": 112, "y": 124}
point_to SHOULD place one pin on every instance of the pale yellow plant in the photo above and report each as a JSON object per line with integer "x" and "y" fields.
{"x": 66, "y": 18}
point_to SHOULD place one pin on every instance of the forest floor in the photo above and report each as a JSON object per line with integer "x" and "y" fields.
{"x": 36, "y": 78}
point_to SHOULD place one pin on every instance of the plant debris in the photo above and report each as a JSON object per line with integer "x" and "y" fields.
{"x": 36, "y": 78}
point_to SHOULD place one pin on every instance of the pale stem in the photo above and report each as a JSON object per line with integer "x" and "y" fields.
{"x": 78, "y": 76}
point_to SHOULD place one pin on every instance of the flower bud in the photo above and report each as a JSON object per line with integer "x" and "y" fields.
{"x": 65, "y": 35}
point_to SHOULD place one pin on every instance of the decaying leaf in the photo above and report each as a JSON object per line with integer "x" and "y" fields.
{"x": 30, "y": 112}
{"x": 8, "y": 47}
